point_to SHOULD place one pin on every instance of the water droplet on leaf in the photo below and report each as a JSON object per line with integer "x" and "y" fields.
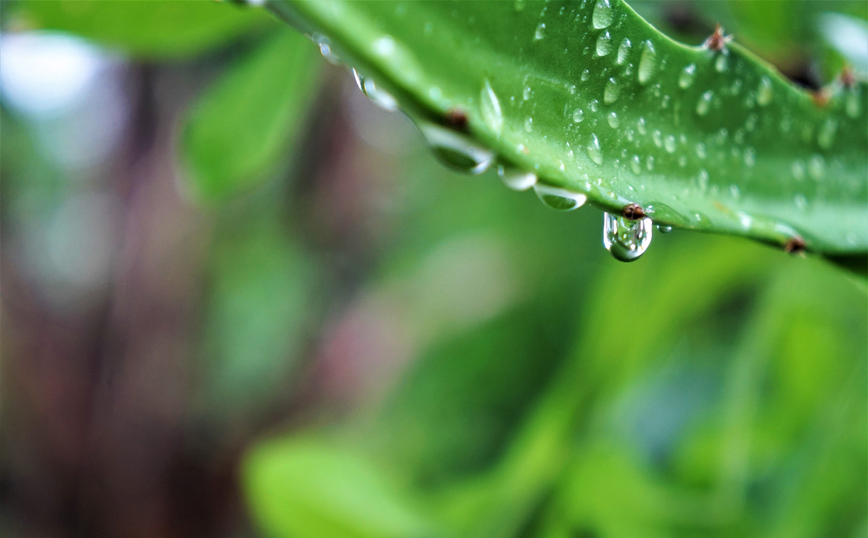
{"x": 826, "y": 134}
{"x": 764, "y": 92}
{"x": 611, "y": 92}
{"x": 603, "y": 14}
{"x": 669, "y": 144}
{"x": 704, "y": 103}
{"x": 687, "y": 76}
{"x": 624, "y": 51}
{"x": 604, "y": 44}
{"x": 798, "y": 170}
{"x": 816, "y": 167}
{"x": 594, "y": 151}
{"x": 489, "y": 105}
{"x": 647, "y": 63}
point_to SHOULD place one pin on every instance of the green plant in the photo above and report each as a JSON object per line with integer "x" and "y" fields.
{"x": 541, "y": 389}
{"x": 598, "y": 105}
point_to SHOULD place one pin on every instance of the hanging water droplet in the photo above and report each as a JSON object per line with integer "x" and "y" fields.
{"x": 700, "y": 150}
{"x": 559, "y": 199}
{"x": 764, "y": 92}
{"x": 704, "y": 103}
{"x": 528, "y": 124}
{"x": 578, "y": 115}
{"x": 826, "y": 133}
{"x": 540, "y": 32}
{"x": 379, "y": 96}
{"x": 604, "y": 44}
{"x": 594, "y": 151}
{"x": 749, "y": 156}
{"x": 585, "y": 75}
{"x": 636, "y": 165}
{"x": 649, "y": 163}
{"x": 603, "y": 14}
{"x": 515, "y": 179}
{"x": 489, "y": 105}
{"x": 687, "y": 76}
{"x": 669, "y": 144}
{"x": 642, "y": 126}
{"x": 626, "y": 239}
{"x": 325, "y": 48}
{"x": 526, "y": 93}
{"x": 613, "y": 120}
{"x": 594, "y": 105}
{"x": 647, "y": 63}
{"x": 456, "y": 150}
{"x": 657, "y": 137}
{"x": 624, "y": 51}
{"x": 720, "y": 63}
{"x": 664, "y": 229}
{"x": 611, "y": 92}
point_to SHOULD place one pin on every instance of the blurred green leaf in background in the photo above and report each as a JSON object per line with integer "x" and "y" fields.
{"x": 337, "y": 336}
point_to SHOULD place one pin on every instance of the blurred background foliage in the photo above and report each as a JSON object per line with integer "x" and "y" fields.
{"x": 238, "y": 299}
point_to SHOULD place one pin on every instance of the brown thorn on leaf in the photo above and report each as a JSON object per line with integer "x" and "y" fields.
{"x": 717, "y": 41}
{"x": 456, "y": 119}
{"x": 633, "y": 212}
{"x": 795, "y": 245}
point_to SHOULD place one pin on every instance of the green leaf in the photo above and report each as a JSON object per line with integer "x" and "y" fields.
{"x": 150, "y": 28}
{"x": 594, "y": 100}
{"x": 300, "y": 488}
{"x": 256, "y": 315}
{"x": 242, "y": 127}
